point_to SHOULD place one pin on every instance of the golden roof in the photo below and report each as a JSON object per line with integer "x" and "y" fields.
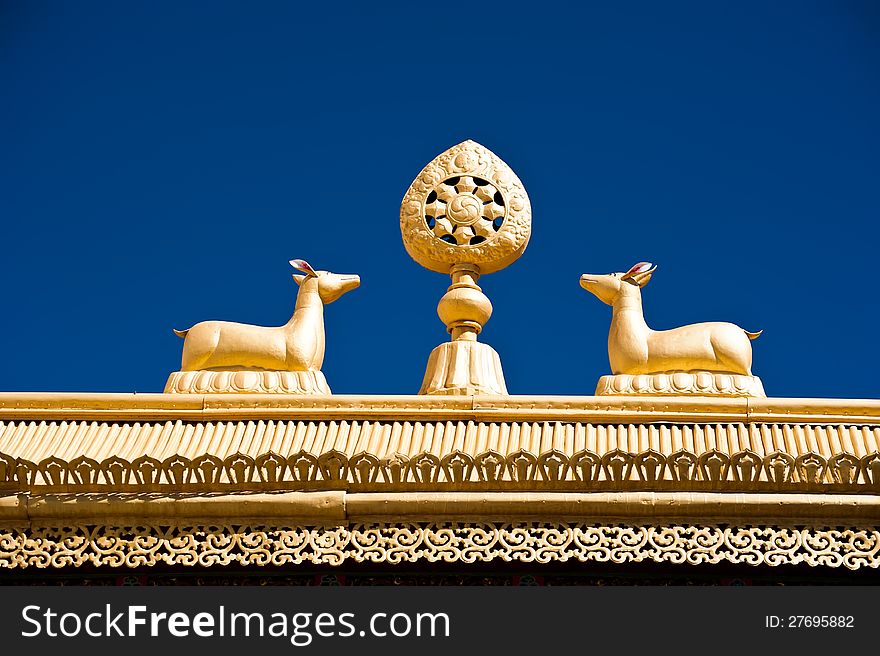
{"x": 133, "y": 480}
{"x": 351, "y": 442}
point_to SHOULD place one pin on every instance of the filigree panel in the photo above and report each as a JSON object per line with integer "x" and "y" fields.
{"x": 207, "y": 546}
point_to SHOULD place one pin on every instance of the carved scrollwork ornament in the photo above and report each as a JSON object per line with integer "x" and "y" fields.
{"x": 243, "y": 545}
{"x": 466, "y": 207}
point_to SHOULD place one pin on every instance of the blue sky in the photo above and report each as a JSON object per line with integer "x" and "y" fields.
{"x": 161, "y": 162}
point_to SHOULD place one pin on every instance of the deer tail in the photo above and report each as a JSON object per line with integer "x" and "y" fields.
{"x": 753, "y": 335}
{"x": 182, "y": 333}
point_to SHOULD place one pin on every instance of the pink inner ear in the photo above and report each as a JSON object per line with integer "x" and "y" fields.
{"x": 302, "y": 265}
{"x": 637, "y": 268}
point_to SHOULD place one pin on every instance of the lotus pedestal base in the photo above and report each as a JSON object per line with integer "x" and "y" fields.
{"x": 246, "y": 382}
{"x": 464, "y": 368}
{"x": 697, "y": 383}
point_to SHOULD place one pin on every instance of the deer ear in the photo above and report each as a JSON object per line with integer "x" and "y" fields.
{"x": 298, "y": 278}
{"x": 638, "y": 267}
{"x": 302, "y": 265}
{"x": 643, "y": 278}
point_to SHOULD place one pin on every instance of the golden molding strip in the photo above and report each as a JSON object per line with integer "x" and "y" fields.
{"x": 458, "y": 470}
{"x": 619, "y": 409}
{"x": 130, "y": 546}
{"x": 174, "y": 508}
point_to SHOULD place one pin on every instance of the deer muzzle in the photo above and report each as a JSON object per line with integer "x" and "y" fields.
{"x": 587, "y": 280}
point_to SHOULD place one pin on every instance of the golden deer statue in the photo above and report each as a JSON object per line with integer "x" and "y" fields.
{"x": 633, "y": 348}
{"x": 297, "y": 346}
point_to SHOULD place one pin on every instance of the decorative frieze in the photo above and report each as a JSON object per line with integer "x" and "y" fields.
{"x": 521, "y": 469}
{"x": 244, "y": 545}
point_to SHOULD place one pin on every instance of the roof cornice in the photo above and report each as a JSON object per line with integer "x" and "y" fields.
{"x": 57, "y": 406}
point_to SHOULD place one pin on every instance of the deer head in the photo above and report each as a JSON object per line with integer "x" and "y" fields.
{"x": 607, "y": 287}
{"x": 329, "y": 286}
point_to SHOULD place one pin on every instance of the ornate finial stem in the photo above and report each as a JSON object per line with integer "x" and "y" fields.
{"x": 465, "y": 274}
{"x": 464, "y": 307}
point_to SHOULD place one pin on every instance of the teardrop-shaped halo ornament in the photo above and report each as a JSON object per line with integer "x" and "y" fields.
{"x": 466, "y": 206}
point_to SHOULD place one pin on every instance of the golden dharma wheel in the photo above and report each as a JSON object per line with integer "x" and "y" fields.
{"x": 466, "y": 207}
